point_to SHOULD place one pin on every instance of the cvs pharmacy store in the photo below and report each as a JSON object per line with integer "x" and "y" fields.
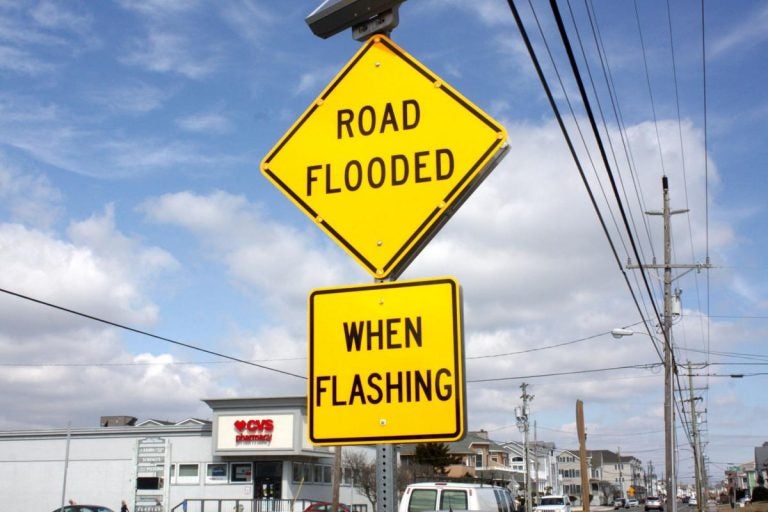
{"x": 252, "y": 456}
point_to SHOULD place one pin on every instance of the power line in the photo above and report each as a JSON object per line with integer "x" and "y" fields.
{"x": 646, "y": 366}
{"x": 145, "y": 333}
{"x": 574, "y": 155}
{"x": 541, "y": 348}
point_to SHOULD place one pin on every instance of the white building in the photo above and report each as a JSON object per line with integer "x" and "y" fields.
{"x": 254, "y": 454}
{"x": 543, "y": 465}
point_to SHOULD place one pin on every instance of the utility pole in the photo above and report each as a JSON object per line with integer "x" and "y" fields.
{"x": 585, "y": 488}
{"x": 652, "y": 488}
{"x": 696, "y": 446}
{"x": 670, "y": 474}
{"x": 621, "y": 476}
{"x": 522, "y": 414}
{"x": 536, "y": 454}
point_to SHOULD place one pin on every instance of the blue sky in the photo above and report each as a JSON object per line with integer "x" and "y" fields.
{"x": 131, "y": 135}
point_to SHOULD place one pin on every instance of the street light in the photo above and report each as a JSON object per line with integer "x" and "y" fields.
{"x": 620, "y": 332}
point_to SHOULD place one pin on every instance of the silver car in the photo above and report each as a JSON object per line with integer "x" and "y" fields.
{"x": 654, "y": 503}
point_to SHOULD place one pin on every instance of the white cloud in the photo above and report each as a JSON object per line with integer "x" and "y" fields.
{"x": 127, "y": 156}
{"x": 29, "y": 198}
{"x": 205, "y": 123}
{"x": 54, "y": 357}
{"x": 132, "y": 97}
{"x": 750, "y": 32}
{"x": 159, "y": 8}
{"x": 53, "y": 375}
{"x": 252, "y": 20}
{"x": 21, "y": 61}
{"x": 280, "y": 261}
{"x": 314, "y": 81}
{"x": 168, "y": 52}
{"x": 489, "y": 12}
{"x": 53, "y": 15}
{"x": 121, "y": 253}
{"x": 69, "y": 275}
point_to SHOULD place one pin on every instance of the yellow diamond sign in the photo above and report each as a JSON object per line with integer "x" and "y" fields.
{"x": 386, "y": 363}
{"x": 384, "y": 155}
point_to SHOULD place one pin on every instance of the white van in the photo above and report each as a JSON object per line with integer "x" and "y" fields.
{"x": 456, "y": 496}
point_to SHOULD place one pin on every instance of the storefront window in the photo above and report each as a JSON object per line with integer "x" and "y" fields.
{"x": 298, "y": 472}
{"x": 188, "y": 474}
{"x": 216, "y": 474}
{"x": 241, "y": 472}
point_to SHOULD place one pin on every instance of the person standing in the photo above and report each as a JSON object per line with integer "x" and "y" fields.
{"x": 124, "y": 507}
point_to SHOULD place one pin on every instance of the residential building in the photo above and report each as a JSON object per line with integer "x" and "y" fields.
{"x": 610, "y": 475}
{"x": 761, "y": 461}
{"x": 543, "y": 466}
{"x": 479, "y": 458}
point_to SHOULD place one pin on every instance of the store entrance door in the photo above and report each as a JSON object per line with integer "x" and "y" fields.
{"x": 268, "y": 480}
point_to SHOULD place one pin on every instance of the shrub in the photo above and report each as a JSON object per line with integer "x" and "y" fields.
{"x": 760, "y": 494}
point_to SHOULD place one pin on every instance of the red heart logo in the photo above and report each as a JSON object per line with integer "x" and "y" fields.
{"x": 240, "y": 425}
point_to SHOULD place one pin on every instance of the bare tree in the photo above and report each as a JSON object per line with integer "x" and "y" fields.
{"x": 363, "y": 472}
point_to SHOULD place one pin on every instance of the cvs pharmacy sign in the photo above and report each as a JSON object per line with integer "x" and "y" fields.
{"x": 253, "y": 430}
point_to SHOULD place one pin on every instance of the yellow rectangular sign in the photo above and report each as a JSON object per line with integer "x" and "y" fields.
{"x": 386, "y": 363}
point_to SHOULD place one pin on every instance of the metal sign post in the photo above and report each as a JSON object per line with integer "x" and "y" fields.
{"x": 386, "y": 478}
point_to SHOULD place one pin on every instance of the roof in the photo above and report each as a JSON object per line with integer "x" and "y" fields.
{"x": 461, "y": 446}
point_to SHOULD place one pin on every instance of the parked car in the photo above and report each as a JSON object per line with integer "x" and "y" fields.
{"x": 456, "y": 496}
{"x": 632, "y": 502}
{"x": 554, "y": 503}
{"x": 84, "y": 508}
{"x": 324, "y": 506}
{"x": 620, "y": 503}
{"x": 653, "y": 503}
{"x": 692, "y": 501}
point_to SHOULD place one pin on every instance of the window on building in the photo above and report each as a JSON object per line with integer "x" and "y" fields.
{"x": 308, "y": 473}
{"x": 241, "y": 472}
{"x": 216, "y": 473}
{"x": 298, "y": 472}
{"x": 347, "y": 476}
{"x": 318, "y": 473}
{"x": 327, "y": 475}
{"x": 188, "y": 474}
{"x": 478, "y": 459}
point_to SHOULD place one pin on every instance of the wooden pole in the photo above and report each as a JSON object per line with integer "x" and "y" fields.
{"x": 582, "y": 455}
